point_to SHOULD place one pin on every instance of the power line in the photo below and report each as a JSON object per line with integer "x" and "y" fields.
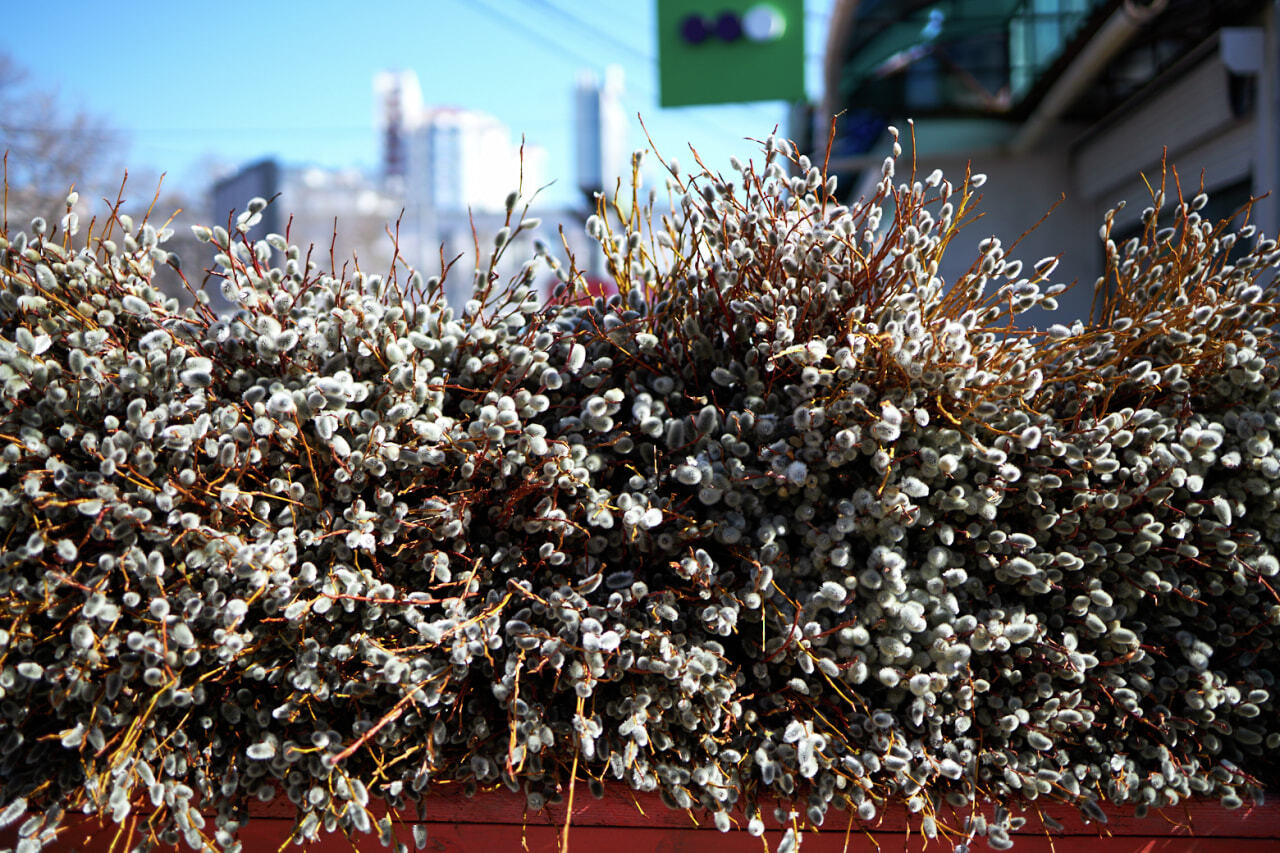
{"x": 552, "y": 44}
{"x": 560, "y": 48}
{"x": 651, "y": 60}
{"x": 597, "y": 32}
{"x": 524, "y": 32}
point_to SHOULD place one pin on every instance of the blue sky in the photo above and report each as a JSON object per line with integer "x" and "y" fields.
{"x": 191, "y": 84}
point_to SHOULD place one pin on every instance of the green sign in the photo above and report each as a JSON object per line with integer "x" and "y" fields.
{"x": 726, "y": 51}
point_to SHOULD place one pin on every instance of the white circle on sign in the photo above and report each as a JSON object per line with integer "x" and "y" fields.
{"x": 763, "y": 22}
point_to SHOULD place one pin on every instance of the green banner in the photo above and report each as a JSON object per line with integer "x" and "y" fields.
{"x": 727, "y": 51}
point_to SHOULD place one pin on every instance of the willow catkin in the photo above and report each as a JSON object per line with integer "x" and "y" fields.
{"x": 789, "y": 516}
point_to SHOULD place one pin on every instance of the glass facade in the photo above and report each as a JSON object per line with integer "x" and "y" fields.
{"x": 955, "y": 57}
{"x": 995, "y": 58}
{"x": 1038, "y": 33}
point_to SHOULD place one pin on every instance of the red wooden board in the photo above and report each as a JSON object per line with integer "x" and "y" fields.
{"x": 496, "y": 821}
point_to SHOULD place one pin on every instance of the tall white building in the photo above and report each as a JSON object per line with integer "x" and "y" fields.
{"x": 462, "y": 160}
{"x": 444, "y": 159}
{"x": 600, "y": 131}
{"x": 462, "y": 165}
{"x": 398, "y": 110}
{"x": 451, "y": 170}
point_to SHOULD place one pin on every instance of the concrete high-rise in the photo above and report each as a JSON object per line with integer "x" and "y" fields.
{"x": 398, "y": 109}
{"x": 600, "y": 131}
{"x": 338, "y": 209}
{"x": 462, "y": 160}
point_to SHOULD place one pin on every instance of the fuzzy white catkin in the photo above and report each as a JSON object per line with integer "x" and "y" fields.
{"x": 778, "y": 466}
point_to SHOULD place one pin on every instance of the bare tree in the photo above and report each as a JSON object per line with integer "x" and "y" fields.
{"x": 49, "y": 147}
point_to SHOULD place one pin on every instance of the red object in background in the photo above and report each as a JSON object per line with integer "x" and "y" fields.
{"x": 593, "y": 286}
{"x": 600, "y": 287}
{"x": 496, "y": 822}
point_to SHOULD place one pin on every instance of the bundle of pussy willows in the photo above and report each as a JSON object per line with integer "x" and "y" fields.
{"x": 788, "y": 522}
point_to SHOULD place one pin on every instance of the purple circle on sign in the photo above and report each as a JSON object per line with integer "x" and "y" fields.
{"x": 729, "y": 26}
{"x": 694, "y": 30}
